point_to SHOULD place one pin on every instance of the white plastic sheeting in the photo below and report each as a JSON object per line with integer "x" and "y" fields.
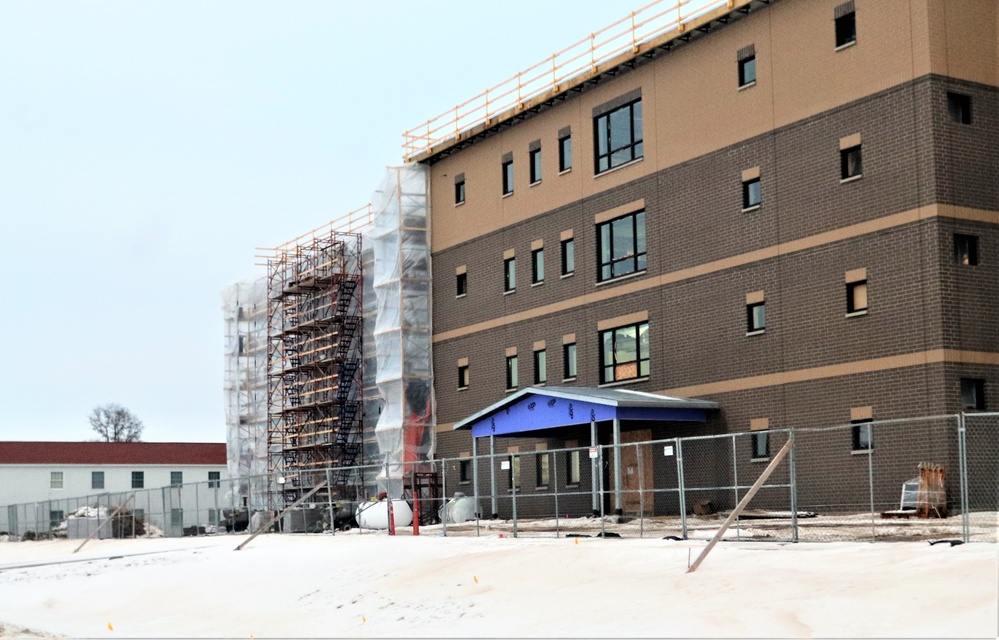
{"x": 244, "y": 307}
{"x": 399, "y": 238}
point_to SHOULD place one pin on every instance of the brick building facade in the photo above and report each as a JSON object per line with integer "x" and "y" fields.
{"x": 818, "y": 211}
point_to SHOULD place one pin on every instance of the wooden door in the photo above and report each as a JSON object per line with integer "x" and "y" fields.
{"x": 636, "y": 478}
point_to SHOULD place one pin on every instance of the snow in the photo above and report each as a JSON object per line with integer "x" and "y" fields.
{"x": 372, "y": 585}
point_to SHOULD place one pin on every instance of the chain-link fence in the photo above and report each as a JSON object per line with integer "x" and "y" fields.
{"x": 925, "y": 478}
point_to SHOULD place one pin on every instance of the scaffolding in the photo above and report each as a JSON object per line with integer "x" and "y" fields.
{"x": 314, "y": 351}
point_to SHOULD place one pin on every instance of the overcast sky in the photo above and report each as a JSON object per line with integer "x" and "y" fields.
{"x": 147, "y": 149}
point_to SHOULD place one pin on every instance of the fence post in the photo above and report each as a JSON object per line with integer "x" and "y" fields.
{"x": 870, "y": 484}
{"x": 595, "y": 468}
{"x": 444, "y": 510}
{"x": 735, "y": 482}
{"x": 554, "y": 482}
{"x": 492, "y": 477}
{"x": 962, "y": 453}
{"x": 641, "y": 492}
{"x": 514, "y": 480}
{"x": 475, "y": 477}
{"x": 679, "y": 483}
{"x": 600, "y": 463}
{"x": 329, "y": 501}
{"x": 794, "y": 488}
{"x": 197, "y": 508}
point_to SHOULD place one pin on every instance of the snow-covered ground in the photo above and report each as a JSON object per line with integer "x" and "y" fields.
{"x": 371, "y": 585}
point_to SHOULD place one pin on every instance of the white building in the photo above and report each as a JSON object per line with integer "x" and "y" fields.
{"x": 171, "y": 484}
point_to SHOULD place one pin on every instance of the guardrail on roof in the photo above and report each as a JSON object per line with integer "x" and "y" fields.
{"x": 551, "y": 74}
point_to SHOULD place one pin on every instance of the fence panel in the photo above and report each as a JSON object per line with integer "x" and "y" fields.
{"x": 982, "y": 475}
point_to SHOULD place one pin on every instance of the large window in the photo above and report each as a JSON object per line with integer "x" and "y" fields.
{"x": 621, "y": 246}
{"x": 625, "y": 353}
{"x": 96, "y": 479}
{"x": 618, "y": 136}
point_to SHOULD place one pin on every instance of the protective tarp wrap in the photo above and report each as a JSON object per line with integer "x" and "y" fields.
{"x": 244, "y": 308}
{"x": 399, "y": 238}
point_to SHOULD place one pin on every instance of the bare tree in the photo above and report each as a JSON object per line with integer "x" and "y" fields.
{"x": 115, "y": 423}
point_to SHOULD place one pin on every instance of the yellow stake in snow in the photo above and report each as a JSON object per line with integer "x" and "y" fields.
{"x": 476, "y": 579}
{"x": 110, "y": 628}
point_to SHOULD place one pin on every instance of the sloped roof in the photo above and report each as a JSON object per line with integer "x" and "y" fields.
{"x": 103, "y": 453}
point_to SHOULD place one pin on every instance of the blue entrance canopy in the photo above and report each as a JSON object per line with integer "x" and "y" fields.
{"x": 538, "y": 408}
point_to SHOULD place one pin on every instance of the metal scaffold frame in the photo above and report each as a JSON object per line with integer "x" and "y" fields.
{"x": 314, "y": 351}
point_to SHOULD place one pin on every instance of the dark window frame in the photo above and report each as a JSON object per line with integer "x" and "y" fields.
{"x": 758, "y": 438}
{"x": 569, "y": 364}
{"x": 509, "y": 275}
{"x": 461, "y": 284}
{"x": 747, "y": 193}
{"x": 537, "y": 266}
{"x": 966, "y": 250}
{"x": 94, "y": 483}
{"x": 463, "y": 378}
{"x": 540, "y": 368}
{"x": 747, "y": 68}
{"x": 534, "y": 156}
{"x": 959, "y": 107}
{"x": 565, "y": 153}
{"x": 464, "y": 471}
{"x": 459, "y": 192}
{"x": 515, "y": 470}
{"x": 214, "y": 479}
{"x": 851, "y": 294}
{"x": 176, "y": 478}
{"x": 850, "y": 170}
{"x": 572, "y": 479}
{"x": 507, "y": 168}
{"x": 857, "y": 434}
{"x": 751, "y": 319}
{"x": 568, "y": 256}
{"x": 542, "y": 472}
{"x": 512, "y": 373}
{"x": 845, "y": 28}
{"x": 633, "y": 150}
{"x": 976, "y": 386}
{"x": 138, "y": 479}
{"x": 614, "y": 366}
{"x": 637, "y": 258}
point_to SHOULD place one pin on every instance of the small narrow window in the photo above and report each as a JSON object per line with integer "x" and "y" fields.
{"x": 537, "y": 266}
{"x": 508, "y": 177}
{"x": 972, "y": 394}
{"x": 176, "y": 477}
{"x": 465, "y": 471}
{"x": 761, "y": 444}
{"x": 535, "y": 165}
{"x": 751, "y": 194}
{"x": 463, "y": 376}
{"x": 966, "y": 250}
{"x": 959, "y": 107}
{"x": 511, "y": 372}
{"x": 756, "y": 317}
{"x": 568, "y": 257}
{"x": 242, "y": 345}
{"x": 459, "y": 189}
{"x": 851, "y": 163}
{"x": 96, "y": 479}
{"x": 569, "y": 361}
{"x": 56, "y": 480}
{"x": 856, "y": 296}
{"x": 863, "y": 435}
{"x": 540, "y": 366}
{"x": 213, "y": 516}
{"x": 543, "y": 468}
{"x": 515, "y": 471}
{"x": 846, "y": 25}
{"x": 138, "y": 479}
{"x": 747, "y": 71}
{"x": 564, "y": 153}
{"x": 572, "y": 467}
{"x": 510, "y": 275}
{"x": 461, "y": 284}
{"x": 214, "y": 479}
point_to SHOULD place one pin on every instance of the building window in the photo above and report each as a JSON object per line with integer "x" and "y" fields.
{"x": 242, "y": 345}
{"x": 138, "y": 479}
{"x": 972, "y": 394}
{"x": 535, "y": 157}
{"x": 851, "y": 164}
{"x": 464, "y": 471}
{"x": 508, "y": 177}
{"x": 747, "y": 71}
{"x": 856, "y": 296}
{"x": 511, "y": 372}
{"x": 510, "y": 275}
{"x": 756, "y": 317}
{"x": 572, "y": 467}
{"x": 959, "y": 107}
{"x": 569, "y": 361}
{"x": 515, "y": 471}
{"x": 176, "y": 477}
{"x": 463, "y": 377}
{"x": 540, "y": 366}
{"x": 568, "y": 257}
{"x": 96, "y": 479}
{"x": 543, "y": 469}
{"x": 537, "y": 266}
{"x": 625, "y": 353}
{"x": 56, "y": 516}
{"x": 846, "y": 25}
{"x": 461, "y": 285}
{"x": 966, "y": 250}
{"x": 863, "y": 435}
{"x": 751, "y": 194}
{"x": 214, "y": 479}
{"x": 761, "y": 444}
{"x": 459, "y": 189}
{"x": 618, "y": 136}
{"x": 621, "y": 246}
{"x": 213, "y": 516}
{"x": 564, "y": 153}
{"x": 55, "y": 480}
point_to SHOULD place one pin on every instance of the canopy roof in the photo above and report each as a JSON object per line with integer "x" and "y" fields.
{"x": 538, "y": 408}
